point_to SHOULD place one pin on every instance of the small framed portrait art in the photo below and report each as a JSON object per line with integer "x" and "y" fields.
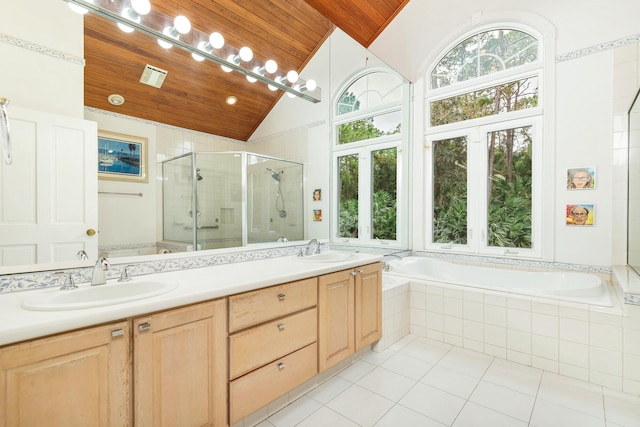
{"x": 583, "y": 178}
{"x": 317, "y": 195}
{"x": 580, "y": 215}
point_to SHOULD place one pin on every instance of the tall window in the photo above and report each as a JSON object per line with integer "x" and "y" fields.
{"x": 483, "y": 128}
{"x": 370, "y": 131}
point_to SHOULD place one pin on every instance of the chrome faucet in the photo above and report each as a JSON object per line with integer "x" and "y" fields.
{"x": 68, "y": 282}
{"x": 99, "y": 276}
{"x": 307, "y": 251}
{"x": 385, "y": 264}
{"x": 125, "y": 276}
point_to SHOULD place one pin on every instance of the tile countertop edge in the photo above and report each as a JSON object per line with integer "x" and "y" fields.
{"x": 629, "y": 283}
{"x": 194, "y": 285}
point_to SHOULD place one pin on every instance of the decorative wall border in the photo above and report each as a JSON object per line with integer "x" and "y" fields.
{"x": 44, "y": 50}
{"x": 598, "y": 48}
{"x": 45, "y": 279}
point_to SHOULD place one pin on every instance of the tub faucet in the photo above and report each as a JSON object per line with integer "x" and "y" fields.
{"x": 385, "y": 264}
{"x": 99, "y": 276}
{"x": 307, "y": 251}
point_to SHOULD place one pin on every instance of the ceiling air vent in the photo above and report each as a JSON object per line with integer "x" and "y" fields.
{"x": 153, "y": 76}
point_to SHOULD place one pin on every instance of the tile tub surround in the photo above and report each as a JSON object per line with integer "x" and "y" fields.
{"x": 395, "y": 311}
{"x": 600, "y": 345}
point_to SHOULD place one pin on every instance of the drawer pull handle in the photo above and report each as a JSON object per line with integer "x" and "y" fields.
{"x": 360, "y": 271}
{"x": 353, "y": 273}
{"x": 281, "y": 326}
{"x": 144, "y": 326}
{"x": 117, "y": 333}
{"x": 281, "y": 366}
{"x": 281, "y": 297}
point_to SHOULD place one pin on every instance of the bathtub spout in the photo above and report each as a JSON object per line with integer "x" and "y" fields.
{"x": 385, "y": 264}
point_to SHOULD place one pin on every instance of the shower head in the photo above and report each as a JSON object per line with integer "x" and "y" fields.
{"x": 198, "y": 176}
{"x": 275, "y": 175}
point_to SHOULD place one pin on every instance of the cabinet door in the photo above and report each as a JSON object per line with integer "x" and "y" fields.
{"x": 368, "y": 305}
{"x": 180, "y": 367}
{"x": 79, "y": 378}
{"x": 336, "y": 311}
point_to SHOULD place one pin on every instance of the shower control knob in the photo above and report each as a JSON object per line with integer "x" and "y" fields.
{"x": 91, "y": 232}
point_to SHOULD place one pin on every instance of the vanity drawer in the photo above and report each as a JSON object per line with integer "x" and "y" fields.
{"x": 262, "y": 344}
{"x": 252, "y": 308}
{"x": 254, "y": 390}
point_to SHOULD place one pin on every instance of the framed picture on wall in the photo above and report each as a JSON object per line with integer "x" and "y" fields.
{"x": 580, "y": 214}
{"x": 122, "y": 157}
{"x": 582, "y": 178}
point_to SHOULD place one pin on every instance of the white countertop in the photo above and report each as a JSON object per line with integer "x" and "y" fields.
{"x": 194, "y": 285}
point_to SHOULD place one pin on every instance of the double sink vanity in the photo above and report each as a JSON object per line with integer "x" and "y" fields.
{"x": 204, "y": 346}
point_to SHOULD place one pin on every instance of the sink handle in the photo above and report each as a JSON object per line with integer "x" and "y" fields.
{"x": 68, "y": 283}
{"x": 124, "y": 275}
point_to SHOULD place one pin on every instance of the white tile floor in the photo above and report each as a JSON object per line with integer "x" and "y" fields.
{"x": 420, "y": 382}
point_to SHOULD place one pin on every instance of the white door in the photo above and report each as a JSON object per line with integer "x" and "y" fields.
{"x": 49, "y": 195}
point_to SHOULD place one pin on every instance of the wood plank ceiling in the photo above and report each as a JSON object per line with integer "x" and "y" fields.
{"x": 193, "y": 93}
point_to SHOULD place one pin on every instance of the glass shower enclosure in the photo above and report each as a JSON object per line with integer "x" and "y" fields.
{"x": 217, "y": 200}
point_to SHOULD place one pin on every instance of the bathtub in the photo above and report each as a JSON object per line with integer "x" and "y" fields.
{"x": 566, "y": 286}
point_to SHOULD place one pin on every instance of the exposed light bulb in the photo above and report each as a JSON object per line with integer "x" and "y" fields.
{"x": 130, "y": 15}
{"x": 197, "y": 57}
{"x": 230, "y": 58}
{"x": 246, "y": 54}
{"x": 292, "y": 76}
{"x": 253, "y": 79}
{"x": 168, "y": 31}
{"x": 142, "y": 7}
{"x": 182, "y": 24}
{"x": 272, "y": 88}
{"x": 311, "y": 85}
{"x": 271, "y": 66}
{"x": 79, "y": 9}
{"x": 216, "y": 40}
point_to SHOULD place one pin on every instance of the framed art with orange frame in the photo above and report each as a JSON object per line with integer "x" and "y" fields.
{"x": 580, "y": 215}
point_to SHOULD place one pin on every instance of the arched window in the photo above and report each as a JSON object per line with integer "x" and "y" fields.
{"x": 370, "y": 129}
{"x": 483, "y": 128}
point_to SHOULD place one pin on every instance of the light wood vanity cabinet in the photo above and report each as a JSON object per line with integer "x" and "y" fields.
{"x": 350, "y": 312}
{"x": 180, "y": 365}
{"x": 78, "y": 378}
{"x": 272, "y": 344}
{"x": 82, "y": 378}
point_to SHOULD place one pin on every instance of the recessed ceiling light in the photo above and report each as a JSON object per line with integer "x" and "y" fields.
{"x": 116, "y": 99}
{"x": 231, "y": 100}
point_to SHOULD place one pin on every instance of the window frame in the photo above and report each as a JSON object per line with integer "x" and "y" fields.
{"x": 365, "y": 149}
{"x": 475, "y": 131}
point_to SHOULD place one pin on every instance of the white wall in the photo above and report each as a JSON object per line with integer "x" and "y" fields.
{"x": 41, "y": 46}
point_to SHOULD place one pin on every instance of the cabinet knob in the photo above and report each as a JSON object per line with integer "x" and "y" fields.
{"x": 353, "y": 273}
{"x": 144, "y": 326}
{"x": 360, "y": 271}
{"x": 281, "y": 297}
{"x": 281, "y": 366}
{"x": 281, "y": 326}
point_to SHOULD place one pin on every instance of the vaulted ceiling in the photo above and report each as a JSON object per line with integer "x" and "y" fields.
{"x": 193, "y": 93}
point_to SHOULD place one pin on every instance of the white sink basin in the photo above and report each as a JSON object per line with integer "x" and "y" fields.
{"x": 97, "y": 296}
{"x": 327, "y": 257}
